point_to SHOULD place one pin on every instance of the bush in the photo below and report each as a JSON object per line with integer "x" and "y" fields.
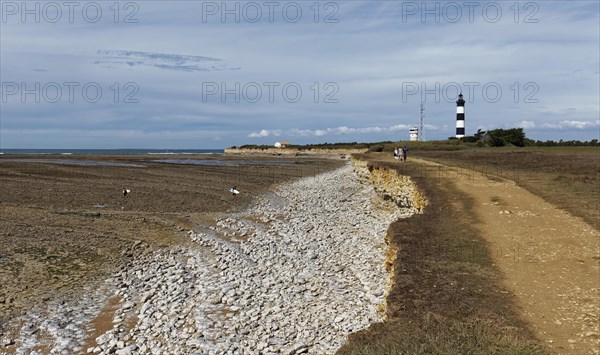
{"x": 470, "y": 139}
{"x": 502, "y": 137}
{"x": 376, "y": 148}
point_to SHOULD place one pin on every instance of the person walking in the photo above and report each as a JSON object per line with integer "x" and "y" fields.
{"x": 405, "y": 152}
{"x": 397, "y": 154}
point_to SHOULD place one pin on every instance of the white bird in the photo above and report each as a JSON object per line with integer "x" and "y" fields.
{"x": 126, "y": 191}
{"x": 234, "y": 191}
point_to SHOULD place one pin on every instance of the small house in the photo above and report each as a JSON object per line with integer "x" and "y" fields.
{"x": 281, "y": 144}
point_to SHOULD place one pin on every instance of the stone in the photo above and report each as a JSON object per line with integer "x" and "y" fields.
{"x": 287, "y": 280}
{"x": 7, "y": 341}
{"x": 298, "y": 348}
{"x": 124, "y": 351}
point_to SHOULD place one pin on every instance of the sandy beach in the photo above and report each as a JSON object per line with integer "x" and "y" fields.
{"x": 293, "y": 264}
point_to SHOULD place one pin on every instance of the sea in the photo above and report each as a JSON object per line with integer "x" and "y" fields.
{"x": 111, "y": 151}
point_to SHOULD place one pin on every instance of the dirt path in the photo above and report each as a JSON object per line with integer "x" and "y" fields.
{"x": 550, "y": 259}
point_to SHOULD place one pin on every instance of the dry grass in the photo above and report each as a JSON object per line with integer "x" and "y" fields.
{"x": 567, "y": 178}
{"x": 447, "y": 297}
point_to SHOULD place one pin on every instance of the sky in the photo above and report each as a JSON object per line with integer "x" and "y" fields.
{"x": 214, "y": 74}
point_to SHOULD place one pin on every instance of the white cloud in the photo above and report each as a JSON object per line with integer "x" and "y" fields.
{"x": 572, "y": 124}
{"x": 550, "y": 125}
{"x": 579, "y": 124}
{"x": 336, "y": 131}
{"x": 265, "y": 133}
{"x": 526, "y": 124}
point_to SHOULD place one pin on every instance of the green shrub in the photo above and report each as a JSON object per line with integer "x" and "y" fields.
{"x": 376, "y": 148}
{"x": 502, "y": 137}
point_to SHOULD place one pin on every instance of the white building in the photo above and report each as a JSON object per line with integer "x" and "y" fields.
{"x": 281, "y": 144}
{"x": 413, "y": 134}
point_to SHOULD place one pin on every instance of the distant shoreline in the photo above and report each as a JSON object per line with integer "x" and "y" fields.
{"x": 110, "y": 151}
{"x": 316, "y": 152}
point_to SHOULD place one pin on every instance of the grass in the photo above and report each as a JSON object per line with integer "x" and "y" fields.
{"x": 447, "y": 296}
{"x": 439, "y": 335}
{"x": 566, "y": 177}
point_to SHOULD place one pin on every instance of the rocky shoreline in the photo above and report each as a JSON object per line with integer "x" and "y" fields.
{"x": 295, "y": 273}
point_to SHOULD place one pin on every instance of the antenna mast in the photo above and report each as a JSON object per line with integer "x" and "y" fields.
{"x": 421, "y": 133}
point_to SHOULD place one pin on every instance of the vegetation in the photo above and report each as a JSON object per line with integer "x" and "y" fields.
{"x": 385, "y": 146}
{"x": 565, "y": 173}
{"x": 351, "y": 145}
{"x": 253, "y": 146}
{"x": 562, "y": 143}
{"x": 516, "y": 137}
{"x": 493, "y": 138}
{"x": 568, "y": 177}
{"x": 448, "y": 296}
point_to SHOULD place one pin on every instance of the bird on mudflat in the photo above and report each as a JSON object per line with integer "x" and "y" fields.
{"x": 234, "y": 191}
{"x": 126, "y": 192}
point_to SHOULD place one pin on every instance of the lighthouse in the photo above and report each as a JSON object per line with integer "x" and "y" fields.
{"x": 460, "y": 116}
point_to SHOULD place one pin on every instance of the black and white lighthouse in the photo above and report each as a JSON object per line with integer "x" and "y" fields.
{"x": 460, "y": 116}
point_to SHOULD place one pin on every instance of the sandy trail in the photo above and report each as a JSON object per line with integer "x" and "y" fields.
{"x": 549, "y": 258}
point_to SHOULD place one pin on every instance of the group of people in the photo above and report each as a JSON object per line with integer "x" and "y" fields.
{"x": 400, "y": 154}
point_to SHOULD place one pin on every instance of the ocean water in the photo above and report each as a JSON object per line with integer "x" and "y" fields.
{"x": 111, "y": 151}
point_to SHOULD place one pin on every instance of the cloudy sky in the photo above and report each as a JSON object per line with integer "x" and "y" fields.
{"x": 193, "y": 74}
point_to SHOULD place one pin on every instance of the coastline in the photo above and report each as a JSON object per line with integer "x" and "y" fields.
{"x": 337, "y": 153}
{"x": 277, "y": 236}
{"x": 67, "y": 227}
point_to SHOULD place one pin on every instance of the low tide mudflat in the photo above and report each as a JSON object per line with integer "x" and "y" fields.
{"x": 65, "y": 224}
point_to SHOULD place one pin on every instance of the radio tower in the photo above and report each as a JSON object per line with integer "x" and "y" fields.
{"x": 421, "y": 137}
